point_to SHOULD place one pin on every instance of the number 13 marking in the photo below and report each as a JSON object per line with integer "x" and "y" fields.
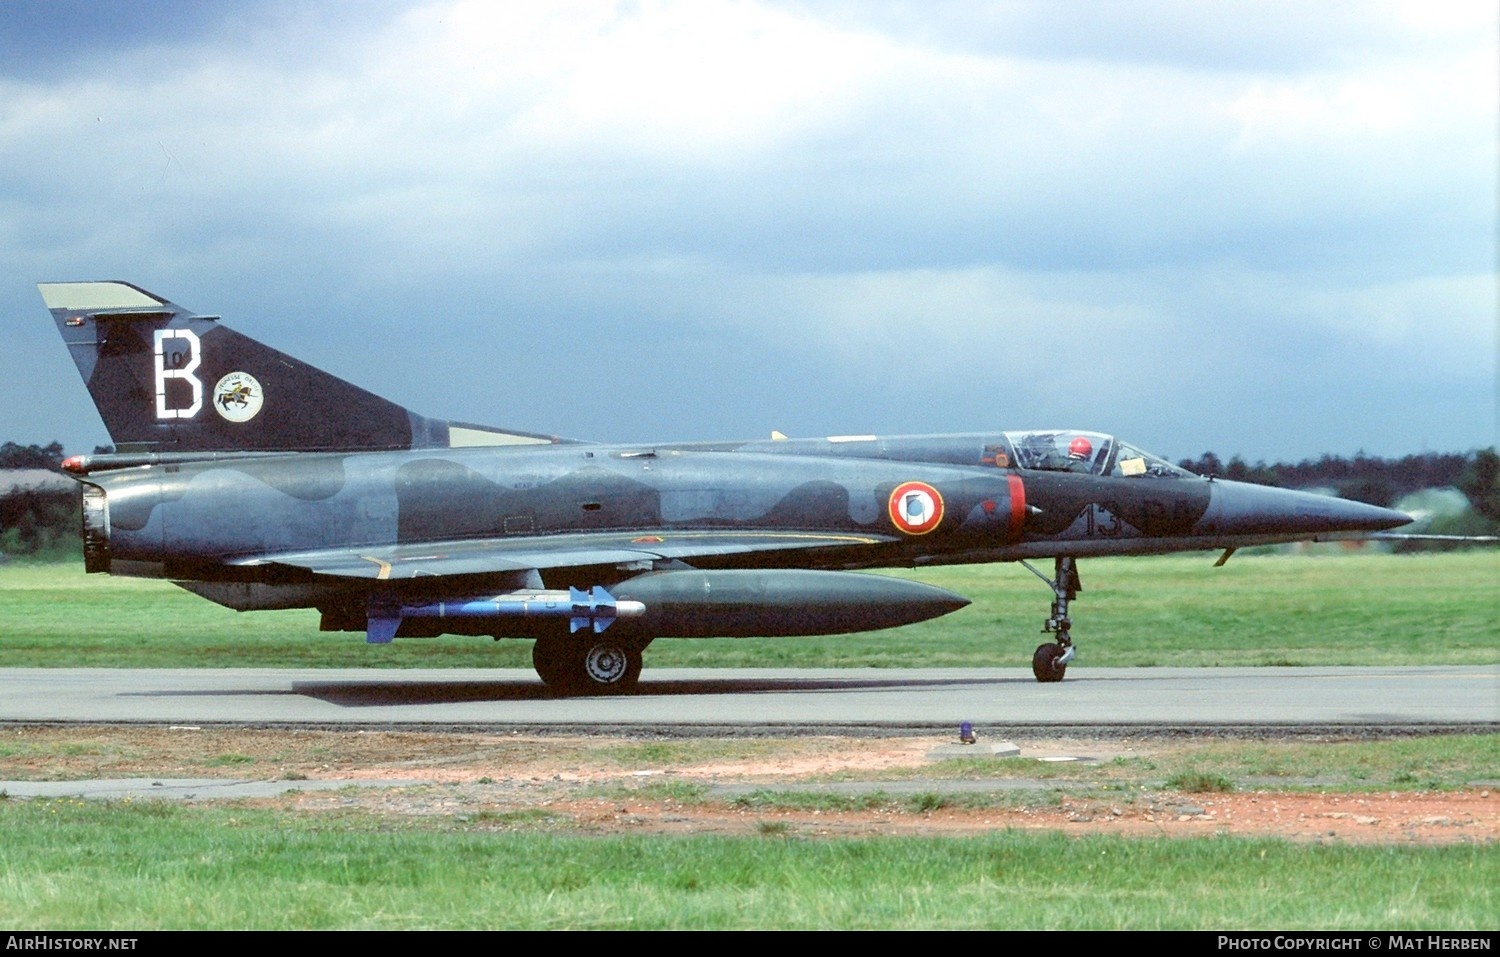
{"x": 1109, "y": 528}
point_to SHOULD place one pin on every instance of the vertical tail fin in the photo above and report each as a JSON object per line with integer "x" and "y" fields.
{"x": 168, "y": 380}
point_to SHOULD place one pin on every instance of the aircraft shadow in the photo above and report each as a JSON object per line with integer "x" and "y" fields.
{"x": 388, "y": 694}
{"x": 395, "y": 693}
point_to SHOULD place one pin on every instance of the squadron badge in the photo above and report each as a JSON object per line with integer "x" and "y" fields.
{"x": 238, "y": 397}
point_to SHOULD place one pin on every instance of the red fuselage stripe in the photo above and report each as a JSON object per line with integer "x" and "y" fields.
{"x": 1017, "y": 505}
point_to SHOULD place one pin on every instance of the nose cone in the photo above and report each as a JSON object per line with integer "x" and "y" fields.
{"x": 1238, "y": 508}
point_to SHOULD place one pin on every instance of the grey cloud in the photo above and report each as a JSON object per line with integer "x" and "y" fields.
{"x": 1085, "y": 224}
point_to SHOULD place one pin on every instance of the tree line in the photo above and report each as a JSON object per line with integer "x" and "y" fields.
{"x": 36, "y": 521}
{"x": 40, "y": 521}
{"x": 1365, "y": 478}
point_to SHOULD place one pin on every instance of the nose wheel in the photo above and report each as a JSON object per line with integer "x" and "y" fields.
{"x": 1047, "y": 663}
{"x": 1050, "y": 660}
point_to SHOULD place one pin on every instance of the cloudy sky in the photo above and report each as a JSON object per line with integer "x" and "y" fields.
{"x": 1260, "y": 228}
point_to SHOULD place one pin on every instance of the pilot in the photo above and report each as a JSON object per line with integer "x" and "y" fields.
{"x": 1080, "y": 451}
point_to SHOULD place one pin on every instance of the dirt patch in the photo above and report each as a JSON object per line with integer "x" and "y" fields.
{"x": 1421, "y": 818}
{"x": 846, "y": 786}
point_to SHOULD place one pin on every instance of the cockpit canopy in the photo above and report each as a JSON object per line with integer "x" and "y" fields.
{"x": 1087, "y": 453}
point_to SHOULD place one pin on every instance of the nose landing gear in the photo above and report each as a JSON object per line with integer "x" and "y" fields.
{"x": 1050, "y": 660}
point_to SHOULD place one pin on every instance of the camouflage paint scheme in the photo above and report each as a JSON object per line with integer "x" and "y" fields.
{"x": 232, "y": 477}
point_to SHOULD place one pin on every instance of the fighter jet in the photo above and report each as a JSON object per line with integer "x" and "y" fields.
{"x": 259, "y": 482}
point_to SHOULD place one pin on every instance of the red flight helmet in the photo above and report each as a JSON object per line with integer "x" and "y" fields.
{"x": 1080, "y": 448}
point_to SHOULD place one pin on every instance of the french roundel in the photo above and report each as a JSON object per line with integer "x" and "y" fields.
{"x": 916, "y": 507}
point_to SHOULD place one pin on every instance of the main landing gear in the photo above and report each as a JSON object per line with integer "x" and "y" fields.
{"x": 595, "y": 664}
{"x": 1050, "y": 661}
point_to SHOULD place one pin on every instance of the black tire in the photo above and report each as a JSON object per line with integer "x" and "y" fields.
{"x": 1044, "y": 662}
{"x": 596, "y": 665}
{"x": 557, "y": 663}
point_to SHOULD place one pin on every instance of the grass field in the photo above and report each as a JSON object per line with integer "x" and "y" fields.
{"x": 1334, "y": 608}
{"x": 71, "y": 864}
{"x": 144, "y": 865}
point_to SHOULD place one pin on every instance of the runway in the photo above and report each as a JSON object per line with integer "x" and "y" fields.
{"x": 1459, "y": 697}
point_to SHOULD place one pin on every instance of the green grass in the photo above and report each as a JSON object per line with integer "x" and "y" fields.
{"x": 1427, "y": 762}
{"x": 71, "y": 864}
{"x": 1334, "y": 608}
{"x": 1200, "y": 782}
{"x": 1316, "y": 609}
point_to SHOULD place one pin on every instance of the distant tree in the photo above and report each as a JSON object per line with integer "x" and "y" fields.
{"x": 1371, "y": 491}
{"x": 36, "y": 520}
{"x": 13, "y": 456}
{"x": 1403, "y": 476}
{"x": 1262, "y": 474}
{"x": 1205, "y": 464}
{"x": 1481, "y": 483}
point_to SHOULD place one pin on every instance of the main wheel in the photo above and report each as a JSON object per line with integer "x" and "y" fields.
{"x": 609, "y": 666}
{"x": 1044, "y": 662}
{"x": 587, "y": 666}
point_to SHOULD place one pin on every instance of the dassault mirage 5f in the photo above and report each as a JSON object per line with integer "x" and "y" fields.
{"x": 259, "y": 482}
